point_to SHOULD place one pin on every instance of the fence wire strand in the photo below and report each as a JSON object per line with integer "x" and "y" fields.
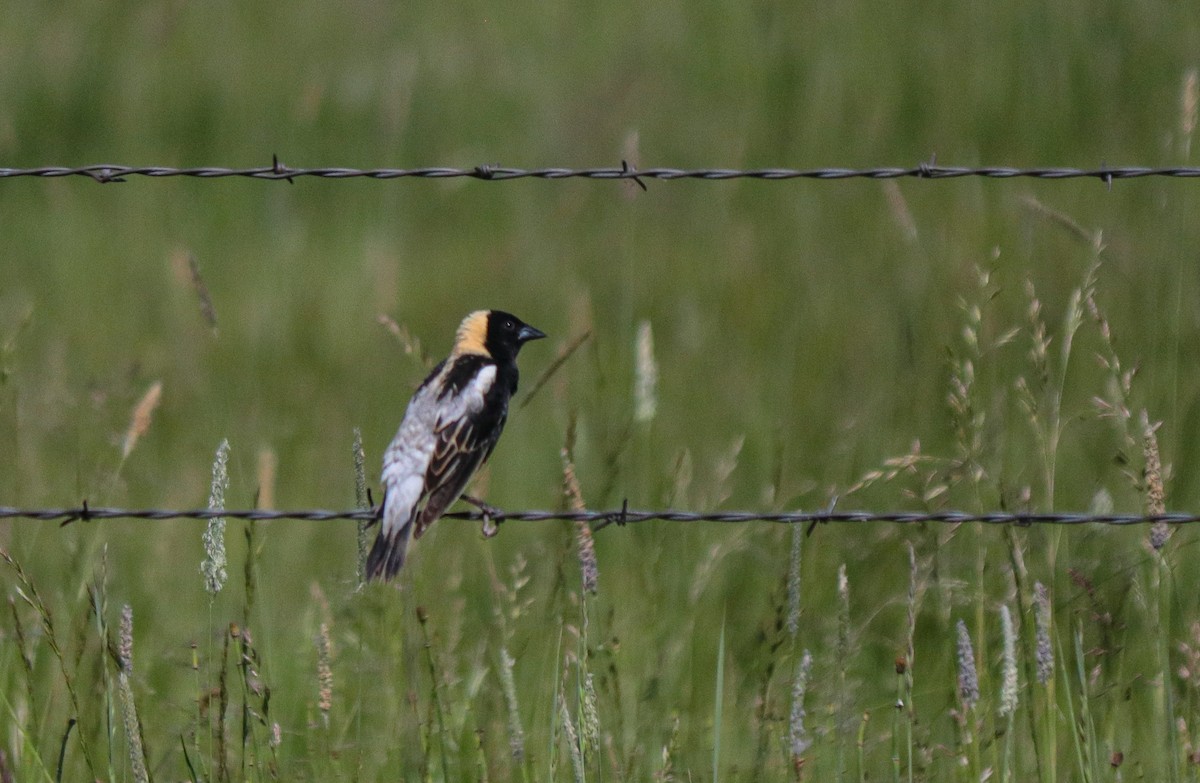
{"x": 620, "y": 516}
{"x": 106, "y": 173}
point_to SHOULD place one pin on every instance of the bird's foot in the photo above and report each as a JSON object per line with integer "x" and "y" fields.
{"x": 492, "y": 516}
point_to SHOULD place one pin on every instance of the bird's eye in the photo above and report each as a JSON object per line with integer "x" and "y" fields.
{"x": 509, "y": 325}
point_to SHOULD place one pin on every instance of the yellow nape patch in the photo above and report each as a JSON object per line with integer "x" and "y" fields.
{"x": 472, "y": 335}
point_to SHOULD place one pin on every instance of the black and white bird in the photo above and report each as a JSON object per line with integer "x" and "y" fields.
{"x": 449, "y": 430}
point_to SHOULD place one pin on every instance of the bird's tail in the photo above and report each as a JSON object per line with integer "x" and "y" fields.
{"x": 387, "y": 553}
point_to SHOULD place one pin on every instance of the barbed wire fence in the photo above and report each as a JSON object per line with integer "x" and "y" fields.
{"x": 278, "y": 171}
{"x": 603, "y": 518}
{"x": 599, "y": 519}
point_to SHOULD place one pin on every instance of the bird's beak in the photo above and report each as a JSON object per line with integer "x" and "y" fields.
{"x": 528, "y": 333}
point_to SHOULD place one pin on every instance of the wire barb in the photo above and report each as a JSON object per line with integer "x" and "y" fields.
{"x": 630, "y": 173}
{"x": 281, "y": 171}
{"x": 925, "y": 169}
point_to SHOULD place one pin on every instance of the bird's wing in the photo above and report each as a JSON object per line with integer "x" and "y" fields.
{"x": 404, "y": 466}
{"x": 463, "y": 441}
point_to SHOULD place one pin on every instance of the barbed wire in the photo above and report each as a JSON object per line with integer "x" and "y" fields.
{"x": 620, "y": 516}
{"x": 106, "y": 173}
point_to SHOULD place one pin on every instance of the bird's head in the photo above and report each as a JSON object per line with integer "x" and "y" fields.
{"x": 494, "y": 333}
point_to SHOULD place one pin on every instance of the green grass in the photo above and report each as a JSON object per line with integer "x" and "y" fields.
{"x": 805, "y": 334}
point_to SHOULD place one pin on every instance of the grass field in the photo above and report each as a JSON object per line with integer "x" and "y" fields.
{"x": 968, "y": 344}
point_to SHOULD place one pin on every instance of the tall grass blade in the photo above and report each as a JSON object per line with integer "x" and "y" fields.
{"x": 719, "y": 704}
{"x": 62, "y": 750}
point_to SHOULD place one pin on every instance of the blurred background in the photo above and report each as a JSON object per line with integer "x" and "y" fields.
{"x": 804, "y": 334}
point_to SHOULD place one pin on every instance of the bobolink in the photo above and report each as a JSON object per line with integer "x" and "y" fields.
{"x": 450, "y": 428}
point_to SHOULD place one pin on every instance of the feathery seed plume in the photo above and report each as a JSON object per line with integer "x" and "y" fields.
{"x": 214, "y": 564}
{"x": 1044, "y": 651}
{"x": 139, "y": 423}
{"x": 968, "y": 677}
{"x": 1008, "y": 676}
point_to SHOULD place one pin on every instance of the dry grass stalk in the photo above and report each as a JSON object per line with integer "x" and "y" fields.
{"x": 410, "y": 343}
{"x": 139, "y": 422}
{"x": 1039, "y": 350}
{"x": 1043, "y": 400}
{"x": 254, "y": 713}
{"x": 1152, "y": 481}
{"x": 1076, "y": 306}
{"x": 1119, "y": 384}
{"x": 554, "y": 366}
{"x": 207, "y": 311}
{"x": 1093, "y": 239}
{"x": 589, "y": 568}
{"x": 892, "y": 467}
{"x": 928, "y": 473}
{"x": 361, "y": 502}
{"x": 967, "y": 415}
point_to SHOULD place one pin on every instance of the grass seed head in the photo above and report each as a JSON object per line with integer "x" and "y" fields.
{"x": 1008, "y": 677}
{"x": 968, "y": 676}
{"x": 139, "y": 422}
{"x": 797, "y": 735}
{"x": 1043, "y": 651}
{"x": 1152, "y": 479}
{"x": 214, "y": 565}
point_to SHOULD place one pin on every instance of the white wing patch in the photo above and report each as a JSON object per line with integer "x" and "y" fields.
{"x": 470, "y": 400}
